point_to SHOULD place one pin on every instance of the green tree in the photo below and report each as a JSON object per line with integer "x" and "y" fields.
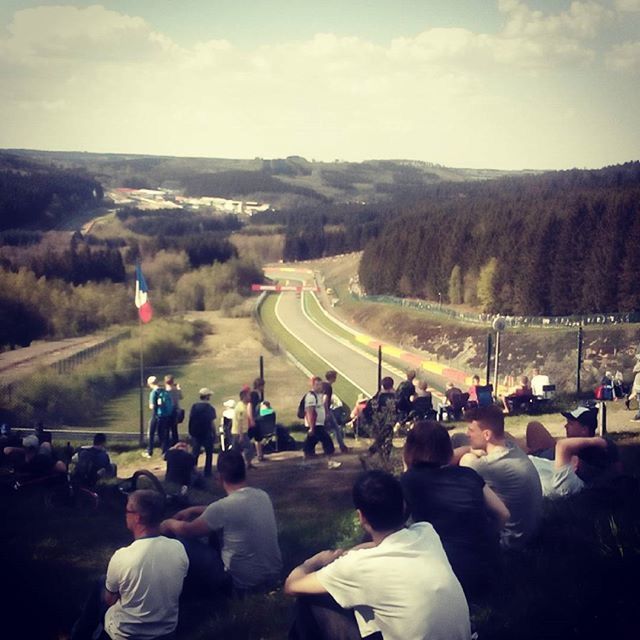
{"x": 455, "y": 285}
{"x": 486, "y": 285}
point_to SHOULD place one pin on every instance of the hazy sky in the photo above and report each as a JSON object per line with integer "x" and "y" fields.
{"x": 466, "y": 83}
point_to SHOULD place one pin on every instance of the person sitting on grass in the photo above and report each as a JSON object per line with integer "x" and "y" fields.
{"x": 507, "y": 470}
{"x": 140, "y": 595}
{"x": 181, "y": 466}
{"x": 581, "y": 459}
{"x": 34, "y": 460}
{"x": 246, "y": 523}
{"x": 93, "y": 463}
{"x": 400, "y": 585}
{"x": 464, "y": 511}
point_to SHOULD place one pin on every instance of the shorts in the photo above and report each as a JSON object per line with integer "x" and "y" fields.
{"x": 565, "y": 482}
{"x": 254, "y": 433}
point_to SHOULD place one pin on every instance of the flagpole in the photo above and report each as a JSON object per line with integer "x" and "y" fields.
{"x": 141, "y": 383}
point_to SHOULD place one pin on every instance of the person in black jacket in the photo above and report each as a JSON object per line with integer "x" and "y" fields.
{"x": 201, "y": 421}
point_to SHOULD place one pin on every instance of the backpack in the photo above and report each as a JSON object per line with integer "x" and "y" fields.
{"x": 85, "y": 472}
{"x": 162, "y": 403}
{"x": 301, "y": 405}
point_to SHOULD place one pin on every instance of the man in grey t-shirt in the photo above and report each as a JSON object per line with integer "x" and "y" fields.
{"x": 247, "y": 524}
{"x": 508, "y": 471}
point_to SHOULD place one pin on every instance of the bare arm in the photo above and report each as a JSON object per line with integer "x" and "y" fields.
{"x": 311, "y": 418}
{"x": 566, "y": 448}
{"x": 496, "y": 506}
{"x": 190, "y": 513}
{"x": 458, "y": 452}
{"x": 303, "y": 579}
{"x": 182, "y": 529}
{"x": 109, "y": 597}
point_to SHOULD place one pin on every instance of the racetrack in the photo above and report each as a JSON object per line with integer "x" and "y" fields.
{"x": 354, "y": 365}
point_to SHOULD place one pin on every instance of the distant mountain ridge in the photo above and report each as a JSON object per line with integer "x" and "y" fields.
{"x": 285, "y": 182}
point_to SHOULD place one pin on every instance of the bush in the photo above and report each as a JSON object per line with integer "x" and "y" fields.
{"x": 78, "y": 398}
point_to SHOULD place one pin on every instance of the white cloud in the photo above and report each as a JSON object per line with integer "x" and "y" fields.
{"x": 625, "y": 57}
{"x": 78, "y": 78}
{"x": 627, "y": 5}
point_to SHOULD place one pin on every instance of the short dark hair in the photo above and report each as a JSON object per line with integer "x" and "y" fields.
{"x": 490, "y": 417}
{"x": 331, "y": 375}
{"x": 428, "y": 441}
{"x": 231, "y": 466}
{"x": 258, "y": 382}
{"x": 387, "y": 382}
{"x": 99, "y": 439}
{"x": 149, "y": 505}
{"x": 378, "y": 495}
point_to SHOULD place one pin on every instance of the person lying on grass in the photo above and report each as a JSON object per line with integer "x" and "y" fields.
{"x": 398, "y": 586}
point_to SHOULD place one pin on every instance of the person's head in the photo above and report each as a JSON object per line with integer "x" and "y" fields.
{"x": 205, "y": 393}
{"x": 387, "y": 383}
{"x": 486, "y": 425}
{"x": 145, "y": 510}
{"x": 245, "y": 394}
{"x": 449, "y": 385}
{"x": 524, "y": 381}
{"x": 581, "y": 422}
{"x": 181, "y": 445}
{"x": 258, "y": 384}
{"x": 536, "y": 371}
{"x": 316, "y": 384}
{"x": 377, "y": 496}
{"x": 152, "y": 382}
{"x": 99, "y": 440}
{"x": 475, "y": 380}
{"x": 428, "y": 441}
{"x": 169, "y": 379}
{"x": 411, "y": 374}
{"x": 231, "y": 467}
{"x": 423, "y": 385}
{"x": 331, "y": 376}
{"x": 31, "y": 444}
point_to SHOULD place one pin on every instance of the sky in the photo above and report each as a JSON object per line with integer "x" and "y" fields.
{"x": 504, "y": 84}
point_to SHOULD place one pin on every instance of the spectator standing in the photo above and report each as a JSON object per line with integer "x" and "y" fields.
{"x": 253, "y": 415}
{"x": 240, "y": 440}
{"x": 331, "y": 423}
{"x": 202, "y": 417}
{"x": 405, "y": 391}
{"x": 473, "y": 391}
{"x": 314, "y": 420}
{"x": 177, "y": 414}
{"x": 226, "y": 421}
{"x": 161, "y": 406}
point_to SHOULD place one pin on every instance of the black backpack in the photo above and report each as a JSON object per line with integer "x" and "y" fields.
{"x": 301, "y": 408}
{"x": 85, "y": 472}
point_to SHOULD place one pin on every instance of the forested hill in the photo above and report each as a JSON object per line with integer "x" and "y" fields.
{"x": 554, "y": 244}
{"x": 36, "y": 196}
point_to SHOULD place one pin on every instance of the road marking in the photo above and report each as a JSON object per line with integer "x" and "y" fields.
{"x": 312, "y": 350}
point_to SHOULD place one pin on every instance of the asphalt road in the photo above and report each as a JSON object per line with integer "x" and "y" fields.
{"x": 359, "y": 368}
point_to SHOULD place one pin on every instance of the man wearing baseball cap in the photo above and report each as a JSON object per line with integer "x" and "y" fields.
{"x": 596, "y": 459}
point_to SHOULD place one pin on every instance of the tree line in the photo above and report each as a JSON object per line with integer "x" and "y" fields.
{"x": 554, "y": 244}
{"x": 36, "y": 196}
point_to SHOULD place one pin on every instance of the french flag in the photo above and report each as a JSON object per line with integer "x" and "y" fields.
{"x": 142, "y": 299}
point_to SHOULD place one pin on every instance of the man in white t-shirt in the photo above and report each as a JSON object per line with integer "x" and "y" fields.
{"x": 399, "y": 586}
{"x": 144, "y": 580}
{"x": 538, "y": 382}
{"x": 314, "y": 418}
